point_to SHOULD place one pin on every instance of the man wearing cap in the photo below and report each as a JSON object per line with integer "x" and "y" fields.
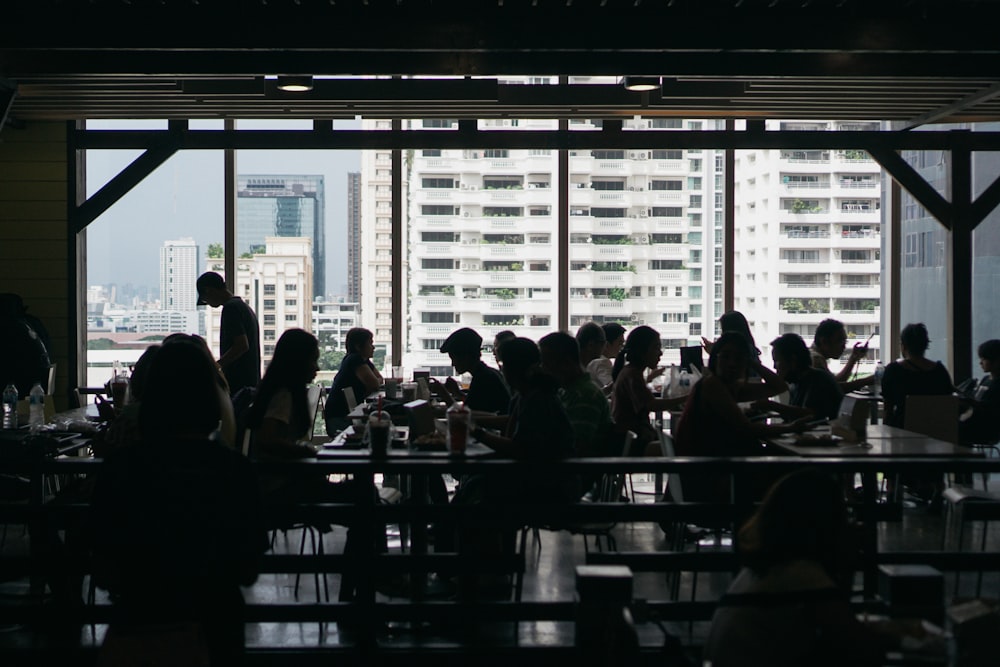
{"x": 239, "y": 333}
{"x": 487, "y": 391}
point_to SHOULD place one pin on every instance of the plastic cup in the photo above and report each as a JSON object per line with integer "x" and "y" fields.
{"x": 409, "y": 391}
{"x": 379, "y": 432}
{"x": 391, "y": 387}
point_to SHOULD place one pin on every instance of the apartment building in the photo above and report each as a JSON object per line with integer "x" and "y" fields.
{"x": 808, "y": 238}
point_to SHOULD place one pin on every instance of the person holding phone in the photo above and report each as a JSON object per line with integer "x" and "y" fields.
{"x": 830, "y": 342}
{"x": 812, "y": 392}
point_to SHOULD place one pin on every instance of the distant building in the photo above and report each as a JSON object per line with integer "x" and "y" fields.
{"x": 178, "y": 273}
{"x": 284, "y": 206}
{"x": 277, "y": 285}
{"x": 354, "y": 236}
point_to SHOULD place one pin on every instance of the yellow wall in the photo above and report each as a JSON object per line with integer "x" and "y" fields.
{"x": 33, "y": 231}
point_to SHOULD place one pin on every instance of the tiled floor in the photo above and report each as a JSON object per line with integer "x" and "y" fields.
{"x": 550, "y": 577}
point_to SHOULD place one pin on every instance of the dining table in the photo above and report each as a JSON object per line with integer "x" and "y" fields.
{"x": 879, "y": 440}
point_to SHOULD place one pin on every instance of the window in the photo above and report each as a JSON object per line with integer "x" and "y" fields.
{"x": 438, "y": 209}
{"x": 608, "y": 185}
{"x": 694, "y": 183}
{"x": 502, "y": 211}
{"x": 665, "y": 264}
{"x": 675, "y": 317}
{"x": 268, "y": 304}
{"x": 694, "y": 291}
{"x": 429, "y": 318}
{"x": 269, "y": 289}
{"x": 439, "y": 237}
{"x": 695, "y": 201}
{"x": 291, "y": 318}
{"x": 607, "y": 155}
{"x": 269, "y": 334}
{"x": 667, "y": 238}
{"x": 608, "y": 212}
{"x": 437, "y": 183}
{"x": 291, "y": 287}
{"x": 437, "y": 263}
{"x": 494, "y": 153}
{"x": 666, "y": 185}
{"x": 667, "y": 155}
{"x": 432, "y": 343}
{"x": 291, "y": 303}
{"x": 438, "y": 123}
{"x": 269, "y": 319}
{"x": 665, "y": 123}
{"x": 431, "y": 152}
{"x": 666, "y": 211}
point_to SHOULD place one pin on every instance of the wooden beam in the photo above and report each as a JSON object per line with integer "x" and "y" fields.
{"x": 915, "y": 184}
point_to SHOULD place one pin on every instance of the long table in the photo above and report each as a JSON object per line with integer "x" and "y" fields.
{"x": 880, "y": 440}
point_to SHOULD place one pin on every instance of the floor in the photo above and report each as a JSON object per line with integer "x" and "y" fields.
{"x": 550, "y": 577}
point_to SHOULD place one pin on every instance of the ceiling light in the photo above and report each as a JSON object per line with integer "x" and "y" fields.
{"x": 295, "y": 84}
{"x": 641, "y": 84}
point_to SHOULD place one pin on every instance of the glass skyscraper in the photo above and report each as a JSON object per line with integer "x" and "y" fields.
{"x": 282, "y": 205}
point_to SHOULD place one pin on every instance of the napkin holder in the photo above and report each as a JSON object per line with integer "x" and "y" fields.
{"x": 852, "y": 422}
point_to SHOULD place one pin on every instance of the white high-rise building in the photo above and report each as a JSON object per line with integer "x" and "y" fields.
{"x": 808, "y": 239}
{"x": 178, "y": 273}
{"x": 481, "y": 240}
{"x": 375, "y": 257}
{"x": 276, "y": 284}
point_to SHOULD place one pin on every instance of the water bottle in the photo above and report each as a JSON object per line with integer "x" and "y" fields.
{"x": 684, "y": 383}
{"x": 877, "y": 384}
{"x": 10, "y": 406}
{"x": 36, "y": 402}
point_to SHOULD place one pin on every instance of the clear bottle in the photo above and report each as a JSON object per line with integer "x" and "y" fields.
{"x": 877, "y": 383}
{"x": 36, "y": 413}
{"x": 10, "y": 406}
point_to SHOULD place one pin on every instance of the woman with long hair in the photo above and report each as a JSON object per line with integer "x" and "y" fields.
{"x": 281, "y": 423}
{"x": 790, "y": 604}
{"x": 280, "y": 414}
{"x": 631, "y": 399}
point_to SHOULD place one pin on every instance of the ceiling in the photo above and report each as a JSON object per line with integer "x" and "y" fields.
{"x": 913, "y": 61}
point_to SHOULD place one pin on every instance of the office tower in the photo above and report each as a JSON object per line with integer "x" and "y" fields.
{"x": 178, "y": 273}
{"x": 481, "y": 246}
{"x": 282, "y": 205}
{"x": 354, "y": 236}
{"x": 277, "y": 284}
{"x": 808, "y": 234}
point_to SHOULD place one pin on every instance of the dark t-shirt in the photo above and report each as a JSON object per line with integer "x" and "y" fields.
{"x": 347, "y": 376}
{"x": 238, "y": 319}
{"x": 487, "y": 390}
{"x": 983, "y": 426}
{"x": 818, "y": 391}
{"x": 902, "y": 379}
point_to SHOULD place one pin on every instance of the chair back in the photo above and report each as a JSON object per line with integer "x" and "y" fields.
{"x": 673, "y": 479}
{"x": 51, "y": 388}
{"x": 313, "y": 393}
{"x": 350, "y": 398}
{"x": 630, "y": 437}
{"x": 245, "y": 445}
{"x": 934, "y": 416}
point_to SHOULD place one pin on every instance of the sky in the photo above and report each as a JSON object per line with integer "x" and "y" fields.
{"x": 183, "y": 198}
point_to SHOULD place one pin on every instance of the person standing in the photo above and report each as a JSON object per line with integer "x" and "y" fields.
{"x": 239, "y": 332}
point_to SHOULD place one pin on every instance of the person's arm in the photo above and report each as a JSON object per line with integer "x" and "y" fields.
{"x": 273, "y": 439}
{"x": 725, "y": 408}
{"x": 240, "y": 346}
{"x": 857, "y": 354}
{"x": 770, "y": 385}
{"x": 787, "y": 412}
{"x": 853, "y": 385}
{"x": 369, "y": 377}
{"x": 440, "y": 390}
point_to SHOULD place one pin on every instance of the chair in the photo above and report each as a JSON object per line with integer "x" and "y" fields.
{"x": 967, "y": 505}
{"x": 350, "y": 398}
{"x": 313, "y": 394}
{"x": 935, "y": 416}
{"x": 680, "y": 534}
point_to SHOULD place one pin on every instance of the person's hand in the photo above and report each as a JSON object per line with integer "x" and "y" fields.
{"x": 437, "y": 388}
{"x": 859, "y": 351}
{"x": 452, "y": 385}
{"x": 706, "y": 344}
{"x": 655, "y": 373}
{"x": 801, "y": 424}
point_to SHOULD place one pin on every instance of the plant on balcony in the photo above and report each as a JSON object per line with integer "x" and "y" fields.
{"x": 516, "y": 266}
{"x": 792, "y": 305}
{"x": 448, "y": 290}
{"x": 799, "y": 206}
{"x": 502, "y": 293}
{"x": 617, "y": 294}
{"x": 855, "y": 154}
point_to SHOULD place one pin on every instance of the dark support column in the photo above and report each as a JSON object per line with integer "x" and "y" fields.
{"x": 76, "y": 256}
{"x": 398, "y": 245}
{"x": 729, "y": 224}
{"x": 562, "y": 236}
{"x": 960, "y": 303}
{"x": 229, "y": 210}
{"x": 894, "y": 248}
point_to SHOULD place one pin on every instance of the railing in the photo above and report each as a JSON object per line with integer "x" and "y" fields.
{"x": 807, "y": 235}
{"x": 416, "y": 609}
